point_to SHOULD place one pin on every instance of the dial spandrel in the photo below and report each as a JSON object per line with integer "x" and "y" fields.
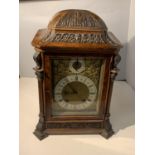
{"x": 76, "y": 84}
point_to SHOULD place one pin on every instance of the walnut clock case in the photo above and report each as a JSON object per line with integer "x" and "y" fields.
{"x": 76, "y": 59}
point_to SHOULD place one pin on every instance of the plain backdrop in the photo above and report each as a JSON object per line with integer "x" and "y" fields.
{"x": 117, "y": 14}
{"x": 119, "y": 18}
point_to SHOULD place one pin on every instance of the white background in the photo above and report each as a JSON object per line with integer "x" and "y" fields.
{"x": 145, "y": 75}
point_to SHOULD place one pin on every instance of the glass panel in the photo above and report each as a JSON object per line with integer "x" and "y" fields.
{"x": 75, "y": 85}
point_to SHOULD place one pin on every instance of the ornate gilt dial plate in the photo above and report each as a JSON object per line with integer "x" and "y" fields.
{"x": 76, "y": 85}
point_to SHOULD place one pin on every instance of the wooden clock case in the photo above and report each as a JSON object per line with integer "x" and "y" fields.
{"x": 74, "y": 33}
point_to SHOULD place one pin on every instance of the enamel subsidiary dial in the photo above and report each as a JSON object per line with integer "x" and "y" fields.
{"x": 77, "y": 65}
{"x": 75, "y": 92}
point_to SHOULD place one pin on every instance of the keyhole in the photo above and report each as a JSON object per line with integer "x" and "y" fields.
{"x": 76, "y": 65}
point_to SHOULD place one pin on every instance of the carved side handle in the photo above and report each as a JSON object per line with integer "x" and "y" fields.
{"x": 114, "y": 71}
{"x": 39, "y": 67}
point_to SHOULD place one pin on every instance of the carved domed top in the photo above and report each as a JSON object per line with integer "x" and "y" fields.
{"x": 76, "y": 19}
{"x": 78, "y": 29}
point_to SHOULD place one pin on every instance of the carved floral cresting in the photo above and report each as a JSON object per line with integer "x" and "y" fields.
{"x": 75, "y": 38}
{"x": 77, "y": 19}
{"x": 74, "y": 20}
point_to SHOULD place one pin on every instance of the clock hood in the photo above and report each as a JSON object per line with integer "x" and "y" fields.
{"x": 76, "y": 29}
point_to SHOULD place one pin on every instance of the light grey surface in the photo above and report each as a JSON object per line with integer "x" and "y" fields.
{"x": 36, "y": 15}
{"x": 122, "y": 119}
{"x": 130, "y": 58}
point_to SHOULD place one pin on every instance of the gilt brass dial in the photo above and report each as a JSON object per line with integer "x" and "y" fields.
{"x": 76, "y": 85}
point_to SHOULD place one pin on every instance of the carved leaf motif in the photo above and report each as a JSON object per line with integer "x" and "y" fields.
{"x": 76, "y": 38}
{"x": 80, "y": 18}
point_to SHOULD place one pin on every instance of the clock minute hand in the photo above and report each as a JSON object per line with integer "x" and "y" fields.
{"x": 73, "y": 90}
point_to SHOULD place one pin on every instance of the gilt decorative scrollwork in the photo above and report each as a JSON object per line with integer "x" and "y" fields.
{"x": 92, "y": 69}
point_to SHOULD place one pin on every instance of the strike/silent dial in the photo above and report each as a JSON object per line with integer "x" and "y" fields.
{"x": 77, "y": 65}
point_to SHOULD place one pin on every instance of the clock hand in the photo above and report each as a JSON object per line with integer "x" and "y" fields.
{"x": 77, "y": 65}
{"x": 79, "y": 95}
{"x": 73, "y": 90}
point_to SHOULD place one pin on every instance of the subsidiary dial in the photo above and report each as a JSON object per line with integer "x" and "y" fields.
{"x": 77, "y": 65}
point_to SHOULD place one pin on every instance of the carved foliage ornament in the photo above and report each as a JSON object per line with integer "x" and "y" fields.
{"x": 76, "y": 19}
{"x": 76, "y": 38}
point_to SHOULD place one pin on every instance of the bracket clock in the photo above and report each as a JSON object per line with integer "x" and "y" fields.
{"x": 76, "y": 63}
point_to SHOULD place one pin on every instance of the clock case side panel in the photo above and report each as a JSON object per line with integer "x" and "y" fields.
{"x": 113, "y": 71}
{"x": 39, "y": 71}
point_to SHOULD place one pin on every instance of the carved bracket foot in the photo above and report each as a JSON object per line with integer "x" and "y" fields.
{"x": 39, "y": 131}
{"x": 107, "y": 134}
{"x": 40, "y": 134}
{"x": 107, "y": 130}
